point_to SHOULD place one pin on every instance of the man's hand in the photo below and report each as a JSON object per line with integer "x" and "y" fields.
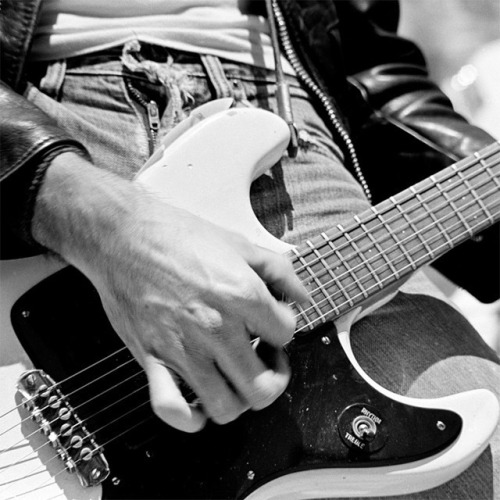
{"x": 185, "y": 295}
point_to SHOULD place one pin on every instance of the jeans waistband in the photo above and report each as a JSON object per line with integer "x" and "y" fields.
{"x": 156, "y": 53}
{"x": 160, "y": 54}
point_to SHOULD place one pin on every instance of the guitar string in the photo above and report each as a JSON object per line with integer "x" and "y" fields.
{"x": 99, "y": 446}
{"x": 301, "y": 269}
{"x": 412, "y": 197}
{"x": 363, "y": 264}
{"x": 409, "y": 267}
{"x": 51, "y": 388}
{"x": 48, "y": 481}
{"x": 114, "y": 438}
{"x": 79, "y": 407}
{"x": 398, "y": 216}
{"x": 323, "y": 317}
{"x": 43, "y": 466}
{"x": 90, "y": 417}
{"x": 110, "y": 423}
{"x": 93, "y": 365}
{"x": 135, "y": 391}
{"x": 328, "y": 297}
{"x": 298, "y": 270}
{"x": 59, "y": 436}
{"x": 326, "y": 271}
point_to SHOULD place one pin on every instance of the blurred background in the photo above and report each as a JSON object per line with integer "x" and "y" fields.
{"x": 461, "y": 41}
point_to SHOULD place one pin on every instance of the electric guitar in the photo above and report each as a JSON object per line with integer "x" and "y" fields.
{"x": 80, "y": 426}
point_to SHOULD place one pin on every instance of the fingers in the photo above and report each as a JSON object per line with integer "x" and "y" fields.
{"x": 256, "y": 383}
{"x": 265, "y": 316}
{"x": 167, "y": 400}
{"x": 277, "y": 270}
{"x": 247, "y": 383}
{"x": 215, "y": 357}
{"x": 271, "y": 320}
{"x": 220, "y": 402}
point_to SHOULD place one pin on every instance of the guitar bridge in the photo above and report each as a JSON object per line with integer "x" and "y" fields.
{"x": 65, "y": 431}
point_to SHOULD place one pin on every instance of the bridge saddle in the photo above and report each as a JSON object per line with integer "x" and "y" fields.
{"x": 65, "y": 431}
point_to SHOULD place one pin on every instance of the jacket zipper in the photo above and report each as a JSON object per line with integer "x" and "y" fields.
{"x": 304, "y": 76}
{"x": 152, "y": 112}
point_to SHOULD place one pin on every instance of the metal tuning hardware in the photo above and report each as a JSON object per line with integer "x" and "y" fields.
{"x": 67, "y": 434}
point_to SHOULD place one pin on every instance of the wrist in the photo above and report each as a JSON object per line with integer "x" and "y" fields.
{"x": 79, "y": 206}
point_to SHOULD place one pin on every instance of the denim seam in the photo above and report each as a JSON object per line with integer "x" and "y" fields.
{"x": 319, "y": 150}
{"x": 138, "y": 114}
{"x": 217, "y": 76}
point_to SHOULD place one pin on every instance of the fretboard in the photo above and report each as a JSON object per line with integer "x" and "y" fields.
{"x": 347, "y": 265}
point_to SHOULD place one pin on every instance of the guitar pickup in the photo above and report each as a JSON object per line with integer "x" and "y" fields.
{"x": 65, "y": 431}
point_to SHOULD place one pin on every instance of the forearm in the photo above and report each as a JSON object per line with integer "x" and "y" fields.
{"x": 182, "y": 293}
{"x": 404, "y": 97}
{"x": 391, "y": 75}
{"x": 82, "y": 211}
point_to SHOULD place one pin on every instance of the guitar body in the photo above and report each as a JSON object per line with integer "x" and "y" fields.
{"x": 27, "y": 464}
{"x": 305, "y": 445}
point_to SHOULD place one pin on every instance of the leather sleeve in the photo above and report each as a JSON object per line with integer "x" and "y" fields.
{"x": 390, "y": 73}
{"x": 406, "y": 128}
{"x": 29, "y": 139}
{"x": 403, "y": 127}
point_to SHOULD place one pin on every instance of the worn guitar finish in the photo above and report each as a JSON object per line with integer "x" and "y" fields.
{"x": 334, "y": 432}
{"x": 305, "y": 428}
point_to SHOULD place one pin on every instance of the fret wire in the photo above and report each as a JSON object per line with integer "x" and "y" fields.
{"x": 483, "y": 158}
{"x": 417, "y": 234}
{"x": 302, "y": 316}
{"x": 353, "y": 276}
{"x": 305, "y": 266}
{"x": 380, "y": 248}
{"x": 464, "y": 163}
{"x": 497, "y": 184}
{"x": 472, "y": 190}
{"x": 307, "y": 322}
{"x": 349, "y": 298}
{"x": 325, "y": 236}
{"x": 435, "y": 219}
{"x": 395, "y": 238}
{"x": 312, "y": 274}
{"x": 488, "y": 170}
{"x": 361, "y": 252}
{"x": 384, "y": 224}
{"x": 337, "y": 280}
{"x": 349, "y": 302}
{"x": 453, "y": 205}
{"x": 330, "y": 273}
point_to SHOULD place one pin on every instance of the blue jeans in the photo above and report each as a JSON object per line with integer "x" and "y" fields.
{"x": 416, "y": 345}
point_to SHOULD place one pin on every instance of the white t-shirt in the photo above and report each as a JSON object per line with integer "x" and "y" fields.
{"x": 219, "y": 27}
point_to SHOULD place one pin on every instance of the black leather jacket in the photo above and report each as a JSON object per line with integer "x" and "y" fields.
{"x": 402, "y": 125}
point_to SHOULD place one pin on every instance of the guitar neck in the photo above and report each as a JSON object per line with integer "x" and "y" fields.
{"x": 345, "y": 266}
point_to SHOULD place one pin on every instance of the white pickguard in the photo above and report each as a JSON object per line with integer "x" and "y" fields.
{"x": 207, "y": 169}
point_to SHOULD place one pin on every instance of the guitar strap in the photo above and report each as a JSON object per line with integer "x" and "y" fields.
{"x": 282, "y": 92}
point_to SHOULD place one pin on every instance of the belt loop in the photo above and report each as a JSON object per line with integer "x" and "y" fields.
{"x": 216, "y": 76}
{"x": 52, "y": 82}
